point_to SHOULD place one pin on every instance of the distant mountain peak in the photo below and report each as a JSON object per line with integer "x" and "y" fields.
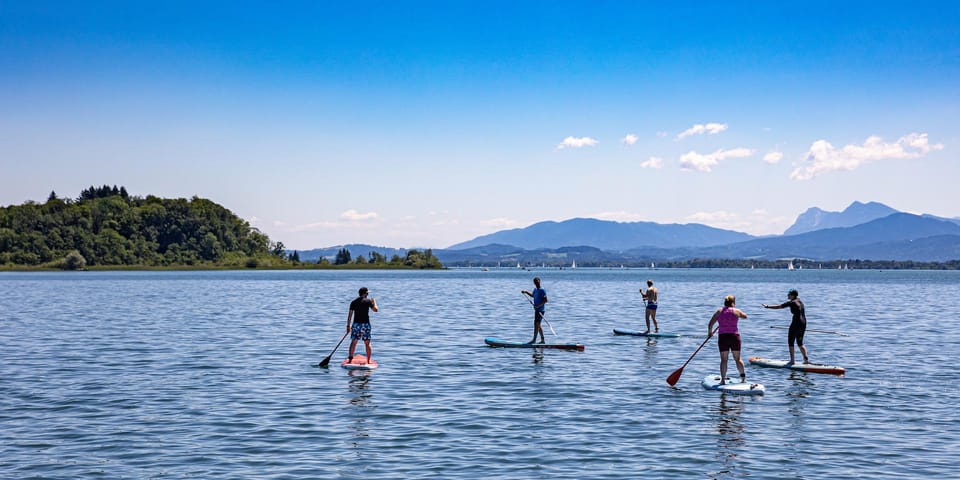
{"x": 606, "y": 235}
{"x": 855, "y": 214}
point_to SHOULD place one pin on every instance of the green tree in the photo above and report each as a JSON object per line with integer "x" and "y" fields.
{"x": 74, "y": 261}
{"x": 343, "y": 257}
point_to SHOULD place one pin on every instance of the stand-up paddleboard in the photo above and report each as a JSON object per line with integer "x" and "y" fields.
{"x": 637, "y": 333}
{"x": 803, "y": 367}
{"x": 496, "y": 342}
{"x": 360, "y": 363}
{"x": 733, "y": 385}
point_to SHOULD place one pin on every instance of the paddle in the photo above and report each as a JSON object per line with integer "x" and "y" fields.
{"x": 326, "y": 361}
{"x": 542, "y": 317}
{"x": 675, "y": 376}
{"x": 818, "y": 331}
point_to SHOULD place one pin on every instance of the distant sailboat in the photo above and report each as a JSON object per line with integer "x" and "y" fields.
{"x": 574, "y": 264}
{"x": 790, "y": 266}
{"x": 652, "y": 266}
{"x": 518, "y": 264}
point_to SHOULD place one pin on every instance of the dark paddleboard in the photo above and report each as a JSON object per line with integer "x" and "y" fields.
{"x": 637, "y": 333}
{"x": 496, "y": 342}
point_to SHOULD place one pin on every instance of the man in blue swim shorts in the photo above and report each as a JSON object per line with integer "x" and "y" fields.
{"x": 360, "y": 316}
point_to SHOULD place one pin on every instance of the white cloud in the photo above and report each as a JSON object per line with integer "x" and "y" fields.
{"x": 721, "y": 216}
{"x": 700, "y": 129}
{"x": 355, "y": 216}
{"x": 772, "y": 157}
{"x": 757, "y": 222}
{"x": 309, "y": 227}
{"x": 705, "y": 163}
{"x": 652, "y": 162}
{"x": 500, "y": 222}
{"x": 824, "y": 157}
{"x": 630, "y": 139}
{"x": 619, "y": 216}
{"x": 574, "y": 142}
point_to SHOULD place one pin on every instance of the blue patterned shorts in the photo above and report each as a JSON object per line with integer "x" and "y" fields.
{"x": 360, "y": 331}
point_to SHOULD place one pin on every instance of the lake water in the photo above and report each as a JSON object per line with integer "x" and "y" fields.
{"x": 214, "y": 375}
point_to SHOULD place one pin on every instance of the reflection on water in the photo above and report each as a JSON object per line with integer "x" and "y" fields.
{"x": 360, "y": 399}
{"x": 730, "y": 439}
{"x": 797, "y": 394}
{"x": 537, "y": 356}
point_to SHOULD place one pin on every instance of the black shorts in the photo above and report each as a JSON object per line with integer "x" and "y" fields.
{"x": 729, "y": 341}
{"x": 796, "y": 333}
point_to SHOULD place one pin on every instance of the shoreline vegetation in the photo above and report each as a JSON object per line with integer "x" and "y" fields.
{"x": 106, "y": 228}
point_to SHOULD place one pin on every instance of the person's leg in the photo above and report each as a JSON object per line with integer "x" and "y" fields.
{"x": 353, "y": 347}
{"x": 723, "y": 366}
{"x": 539, "y": 329}
{"x": 791, "y": 337}
{"x": 653, "y": 316}
{"x": 536, "y": 326}
{"x": 366, "y": 343}
{"x": 803, "y": 349}
{"x": 646, "y": 318}
{"x": 740, "y": 368}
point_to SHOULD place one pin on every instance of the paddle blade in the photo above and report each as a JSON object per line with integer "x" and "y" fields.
{"x": 674, "y": 377}
{"x": 325, "y": 362}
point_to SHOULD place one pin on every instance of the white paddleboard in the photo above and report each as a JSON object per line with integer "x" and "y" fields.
{"x": 732, "y": 385}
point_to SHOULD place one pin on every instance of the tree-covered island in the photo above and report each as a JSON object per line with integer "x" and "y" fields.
{"x": 107, "y": 228}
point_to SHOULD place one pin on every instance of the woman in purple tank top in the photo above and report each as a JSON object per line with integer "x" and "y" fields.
{"x": 729, "y": 340}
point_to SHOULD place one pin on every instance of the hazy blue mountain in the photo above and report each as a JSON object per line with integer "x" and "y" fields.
{"x": 607, "y": 235}
{"x": 945, "y": 219}
{"x": 898, "y": 231}
{"x": 857, "y": 213}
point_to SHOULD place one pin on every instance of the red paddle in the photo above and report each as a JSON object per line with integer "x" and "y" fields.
{"x": 675, "y": 376}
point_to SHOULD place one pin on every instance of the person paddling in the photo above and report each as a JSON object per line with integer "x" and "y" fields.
{"x": 359, "y": 314}
{"x": 798, "y": 327}
{"x": 729, "y": 339}
{"x": 650, "y": 313}
{"x": 539, "y": 296}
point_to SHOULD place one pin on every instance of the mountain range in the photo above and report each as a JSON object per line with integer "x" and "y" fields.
{"x": 868, "y": 231}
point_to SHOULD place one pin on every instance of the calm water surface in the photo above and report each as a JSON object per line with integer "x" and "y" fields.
{"x": 213, "y": 375}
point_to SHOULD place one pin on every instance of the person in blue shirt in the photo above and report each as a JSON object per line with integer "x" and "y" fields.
{"x": 539, "y": 296}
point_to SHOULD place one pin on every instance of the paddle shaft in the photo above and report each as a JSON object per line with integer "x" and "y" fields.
{"x": 542, "y": 316}
{"x": 672, "y": 379}
{"x": 326, "y": 361}
{"x": 817, "y": 331}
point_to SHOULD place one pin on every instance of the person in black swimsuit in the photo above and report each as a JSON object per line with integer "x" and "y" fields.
{"x": 799, "y": 324}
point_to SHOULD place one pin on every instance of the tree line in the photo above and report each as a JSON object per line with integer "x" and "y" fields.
{"x": 107, "y": 226}
{"x": 413, "y": 259}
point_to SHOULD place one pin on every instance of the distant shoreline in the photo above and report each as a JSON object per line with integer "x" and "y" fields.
{"x": 188, "y": 268}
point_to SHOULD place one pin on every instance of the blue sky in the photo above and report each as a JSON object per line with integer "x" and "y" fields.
{"x": 428, "y": 123}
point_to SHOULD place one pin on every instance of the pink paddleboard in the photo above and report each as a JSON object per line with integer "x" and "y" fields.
{"x": 360, "y": 363}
